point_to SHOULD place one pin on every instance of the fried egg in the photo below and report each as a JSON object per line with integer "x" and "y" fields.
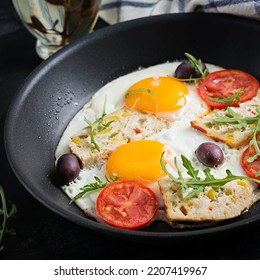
{"x": 165, "y": 94}
{"x": 140, "y": 160}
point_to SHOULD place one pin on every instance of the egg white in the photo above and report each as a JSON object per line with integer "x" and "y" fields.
{"x": 179, "y": 139}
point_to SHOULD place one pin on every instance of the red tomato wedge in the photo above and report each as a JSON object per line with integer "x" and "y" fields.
{"x": 127, "y": 204}
{"x": 250, "y": 168}
{"x": 224, "y": 84}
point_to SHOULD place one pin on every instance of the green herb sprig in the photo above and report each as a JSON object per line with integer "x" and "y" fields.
{"x": 229, "y": 100}
{"x": 195, "y": 182}
{"x": 4, "y": 230}
{"x": 198, "y": 66}
{"x": 98, "y": 125}
{"x": 254, "y": 142}
{"x": 88, "y": 188}
{"x": 234, "y": 119}
{"x": 99, "y": 184}
{"x": 239, "y": 122}
{"x": 144, "y": 90}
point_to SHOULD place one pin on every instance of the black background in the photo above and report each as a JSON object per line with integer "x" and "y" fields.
{"x": 40, "y": 233}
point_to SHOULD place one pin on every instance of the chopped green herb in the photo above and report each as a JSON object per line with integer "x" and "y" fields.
{"x": 195, "y": 182}
{"x": 209, "y": 124}
{"x": 98, "y": 125}
{"x": 4, "y": 230}
{"x": 144, "y": 90}
{"x": 113, "y": 135}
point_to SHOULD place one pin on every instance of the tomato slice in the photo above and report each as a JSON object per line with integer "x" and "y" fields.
{"x": 250, "y": 168}
{"x": 127, "y": 204}
{"x": 224, "y": 84}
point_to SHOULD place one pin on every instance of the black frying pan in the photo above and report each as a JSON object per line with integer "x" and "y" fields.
{"x": 60, "y": 86}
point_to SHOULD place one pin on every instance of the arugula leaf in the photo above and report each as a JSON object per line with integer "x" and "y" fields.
{"x": 190, "y": 169}
{"x": 4, "y": 230}
{"x": 229, "y": 100}
{"x": 239, "y": 122}
{"x": 234, "y": 119}
{"x": 195, "y": 192}
{"x": 198, "y": 66}
{"x": 88, "y": 188}
{"x": 208, "y": 175}
{"x": 167, "y": 172}
{"x": 255, "y": 143}
{"x": 196, "y": 183}
{"x": 92, "y": 187}
{"x": 179, "y": 180}
{"x": 98, "y": 125}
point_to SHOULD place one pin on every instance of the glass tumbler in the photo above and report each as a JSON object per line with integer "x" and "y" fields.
{"x": 56, "y": 23}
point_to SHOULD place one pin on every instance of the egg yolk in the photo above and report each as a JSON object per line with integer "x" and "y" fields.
{"x": 138, "y": 160}
{"x": 156, "y": 94}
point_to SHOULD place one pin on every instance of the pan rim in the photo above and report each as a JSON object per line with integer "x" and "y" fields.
{"x": 45, "y": 66}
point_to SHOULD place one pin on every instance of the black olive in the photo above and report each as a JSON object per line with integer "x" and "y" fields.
{"x": 67, "y": 169}
{"x": 210, "y": 154}
{"x": 185, "y": 70}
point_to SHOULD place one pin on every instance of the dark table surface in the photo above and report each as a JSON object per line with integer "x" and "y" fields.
{"x": 42, "y": 234}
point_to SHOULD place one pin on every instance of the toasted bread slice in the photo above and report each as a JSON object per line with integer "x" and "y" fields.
{"x": 235, "y": 138}
{"x": 227, "y": 202}
{"x": 126, "y": 126}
